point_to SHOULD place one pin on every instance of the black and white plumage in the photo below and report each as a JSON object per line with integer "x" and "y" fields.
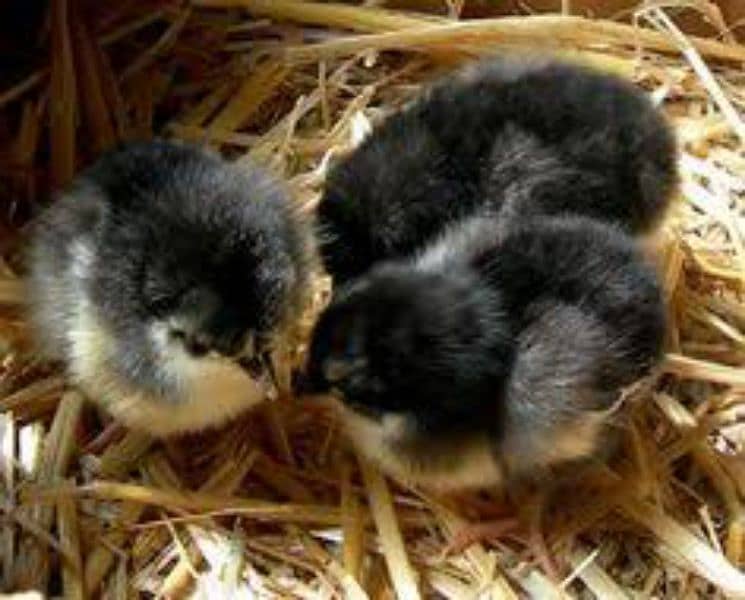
{"x": 491, "y": 302}
{"x": 163, "y": 279}
{"x": 512, "y": 137}
{"x": 496, "y": 355}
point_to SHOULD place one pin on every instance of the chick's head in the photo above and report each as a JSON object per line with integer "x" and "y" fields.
{"x": 209, "y": 264}
{"x": 431, "y": 347}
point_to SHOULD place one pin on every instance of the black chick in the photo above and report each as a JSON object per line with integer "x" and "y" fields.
{"x": 514, "y": 137}
{"x": 163, "y": 279}
{"x": 496, "y": 356}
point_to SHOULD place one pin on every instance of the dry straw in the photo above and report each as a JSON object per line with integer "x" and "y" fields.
{"x": 275, "y": 505}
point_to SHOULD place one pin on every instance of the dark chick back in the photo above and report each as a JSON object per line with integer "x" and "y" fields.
{"x": 587, "y": 318}
{"x": 594, "y": 267}
{"x": 594, "y": 270}
{"x": 579, "y": 141}
{"x": 516, "y": 138}
{"x": 591, "y": 322}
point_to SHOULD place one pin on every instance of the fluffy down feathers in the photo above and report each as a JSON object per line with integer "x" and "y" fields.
{"x": 509, "y": 137}
{"x": 494, "y": 356}
{"x": 163, "y": 279}
{"x": 491, "y": 303}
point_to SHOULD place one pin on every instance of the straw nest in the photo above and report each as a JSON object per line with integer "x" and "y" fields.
{"x": 276, "y": 505}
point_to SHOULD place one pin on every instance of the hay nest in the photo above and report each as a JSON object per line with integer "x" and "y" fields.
{"x": 275, "y": 505}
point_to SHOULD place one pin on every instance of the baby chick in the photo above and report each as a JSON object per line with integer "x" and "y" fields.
{"x": 514, "y": 137}
{"x": 163, "y": 279}
{"x": 494, "y": 357}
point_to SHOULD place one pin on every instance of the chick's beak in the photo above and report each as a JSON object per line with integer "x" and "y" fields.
{"x": 261, "y": 369}
{"x": 268, "y": 376}
{"x": 336, "y": 370}
{"x": 270, "y": 370}
{"x": 259, "y": 364}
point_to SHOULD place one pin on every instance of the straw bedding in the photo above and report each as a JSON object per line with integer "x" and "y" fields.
{"x": 276, "y": 505}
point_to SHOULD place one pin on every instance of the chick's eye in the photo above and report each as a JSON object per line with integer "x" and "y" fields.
{"x": 347, "y": 340}
{"x": 161, "y": 301}
{"x": 352, "y": 347}
{"x": 160, "y": 304}
{"x": 160, "y": 296}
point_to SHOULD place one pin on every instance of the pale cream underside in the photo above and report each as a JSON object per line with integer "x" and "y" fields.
{"x": 212, "y": 390}
{"x": 571, "y": 441}
{"x": 476, "y": 466}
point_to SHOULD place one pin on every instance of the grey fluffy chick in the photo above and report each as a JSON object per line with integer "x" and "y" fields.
{"x": 506, "y": 136}
{"x": 496, "y": 356}
{"x": 163, "y": 279}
